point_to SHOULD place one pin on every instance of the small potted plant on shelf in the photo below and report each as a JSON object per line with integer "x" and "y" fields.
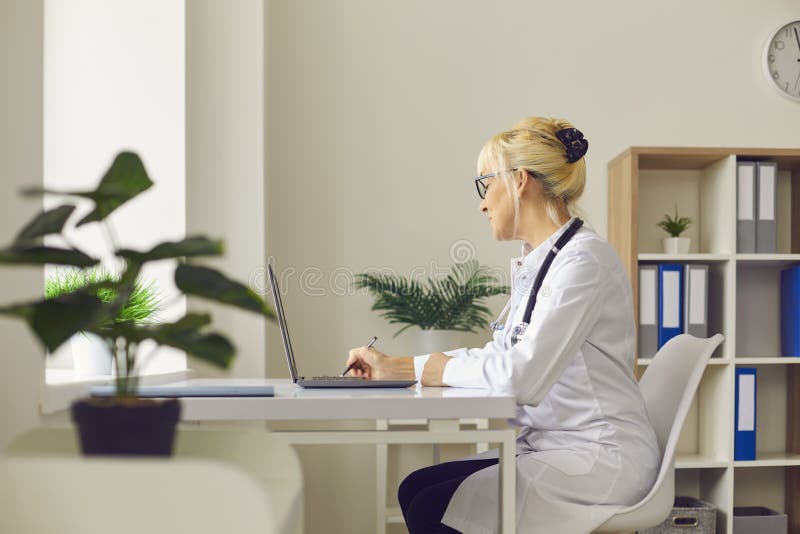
{"x": 675, "y": 226}
{"x": 124, "y": 424}
{"x": 91, "y": 354}
{"x": 441, "y": 309}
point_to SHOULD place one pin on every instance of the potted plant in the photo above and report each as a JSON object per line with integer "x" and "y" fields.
{"x": 124, "y": 424}
{"x": 441, "y": 308}
{"x": 91, "y": 354}
{"x": 675, "y": 226}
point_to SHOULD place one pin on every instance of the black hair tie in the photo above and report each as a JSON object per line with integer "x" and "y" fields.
{"x": 572, "y": 138}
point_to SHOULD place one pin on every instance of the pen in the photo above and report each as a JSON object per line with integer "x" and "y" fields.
{"x": 371, "y": 342}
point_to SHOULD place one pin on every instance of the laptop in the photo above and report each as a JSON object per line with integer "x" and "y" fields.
{"x": 320, "y": 381}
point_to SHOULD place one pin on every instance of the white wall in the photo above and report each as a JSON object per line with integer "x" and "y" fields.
{"x": 114, "y": 80}
{"x": 21, "y": 53}
{"x": 225, "y": 155}
{"x": 377, "y": 111}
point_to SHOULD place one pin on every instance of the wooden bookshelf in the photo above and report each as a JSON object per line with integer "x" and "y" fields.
{"x": 643, "y": 184}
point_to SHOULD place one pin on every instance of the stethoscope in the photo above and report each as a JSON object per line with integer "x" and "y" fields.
{"x": 519, "y": 330}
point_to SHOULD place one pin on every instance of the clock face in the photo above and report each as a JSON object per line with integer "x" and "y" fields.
{"x": 782, "y": 60}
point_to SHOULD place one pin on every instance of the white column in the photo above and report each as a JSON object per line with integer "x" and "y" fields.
{"x": 21, "y": 42}
{"x": 225, "y": 155}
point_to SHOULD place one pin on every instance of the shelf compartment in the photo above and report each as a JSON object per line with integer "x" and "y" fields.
{"x": 697, "y": 194}
{"x": 710, "y": 485}
{"x": 771, "y": 414}
{"x": 786, "y": 191}
{"x": 709, "y": 422}
{"x": 760, "y": 487}
{"x": 718, "y": 314}
{"x": 758, "y": 316}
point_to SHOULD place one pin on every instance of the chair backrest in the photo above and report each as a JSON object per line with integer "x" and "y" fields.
{"x": 669, "y": 384}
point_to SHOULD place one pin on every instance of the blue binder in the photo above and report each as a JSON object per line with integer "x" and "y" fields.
{"x": 670, "y": 301}
{"x": 790, "y": 311}
{"x": 744, "y": 429}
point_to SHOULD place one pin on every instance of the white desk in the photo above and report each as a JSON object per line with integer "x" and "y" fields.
{"x": 443, "y": 407}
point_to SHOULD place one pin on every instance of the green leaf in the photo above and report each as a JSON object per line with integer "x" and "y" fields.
{"x": 125, "y": 179}
{"x": 141, "y": 307}
{"x": 448, "y": 303}
{"x": 39, "y": 255}
{"x": 22, "y": 310}
{"x": 213, "y": 348}
{"x": 674, "y": 226}
{"x": 56, "y": 320}
{"x": 189, "y": 247}
{"x": 213, "y": 285}
{"x": 183, "y": 334}
{"x": 189, "y": 322}
{"x": 47, "y": 222}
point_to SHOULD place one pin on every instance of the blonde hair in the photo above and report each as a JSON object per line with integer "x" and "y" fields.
{"x": 532, "y": 145}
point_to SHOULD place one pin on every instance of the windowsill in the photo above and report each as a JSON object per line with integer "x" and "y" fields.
{"x": 62, "y": 386}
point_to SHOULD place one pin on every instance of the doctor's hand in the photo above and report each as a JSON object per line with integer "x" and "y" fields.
{"x": 374, "y": 365}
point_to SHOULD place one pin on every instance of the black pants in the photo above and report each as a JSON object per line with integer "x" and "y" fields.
{"x": 425, "y": 494}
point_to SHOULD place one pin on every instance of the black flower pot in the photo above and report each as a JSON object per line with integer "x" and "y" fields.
{"x": 126, "y": 426}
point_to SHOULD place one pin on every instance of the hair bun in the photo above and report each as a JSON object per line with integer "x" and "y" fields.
{"x": 573, "y": 140}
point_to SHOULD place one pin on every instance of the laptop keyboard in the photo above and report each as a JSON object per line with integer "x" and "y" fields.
{"x": 334, "y": 378}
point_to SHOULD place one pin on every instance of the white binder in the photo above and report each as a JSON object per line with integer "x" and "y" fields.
{"x": 766, "y": 229}
{"x": 648, "y": 310}
{"x": 695, "y": 301}
{"x": 745, "y": 207}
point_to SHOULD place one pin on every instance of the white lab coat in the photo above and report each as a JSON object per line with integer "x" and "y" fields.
{"x": 586, "y": 447}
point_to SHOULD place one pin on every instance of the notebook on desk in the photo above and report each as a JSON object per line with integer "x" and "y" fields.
{"x": 320, "y": 381}
{"x": 189, "y": 390}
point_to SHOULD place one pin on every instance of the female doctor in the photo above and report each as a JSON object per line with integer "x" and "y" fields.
{"x": 566, "y": 352}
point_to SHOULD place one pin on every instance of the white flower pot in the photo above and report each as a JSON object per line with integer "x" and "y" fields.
{"x": 90, "y": 355}
{"x": 428, "y": 341}
{"x": 676, "y": 245}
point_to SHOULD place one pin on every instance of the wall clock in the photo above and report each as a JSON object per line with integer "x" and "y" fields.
{"x": 781, "y": 60}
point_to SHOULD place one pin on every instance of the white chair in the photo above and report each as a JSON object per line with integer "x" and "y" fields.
{"x": 668, "y": 386}
{"x": 246, "y": 482}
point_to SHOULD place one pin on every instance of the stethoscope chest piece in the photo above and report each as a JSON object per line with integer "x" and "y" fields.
{"x": 517, "y": 333}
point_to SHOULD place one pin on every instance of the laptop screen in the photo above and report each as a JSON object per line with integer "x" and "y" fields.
{"x": 287, "y": 344}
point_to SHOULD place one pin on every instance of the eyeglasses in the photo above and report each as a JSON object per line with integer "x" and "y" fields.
{"x": 482, "y": 186}
{"x": 480, "y": 181}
